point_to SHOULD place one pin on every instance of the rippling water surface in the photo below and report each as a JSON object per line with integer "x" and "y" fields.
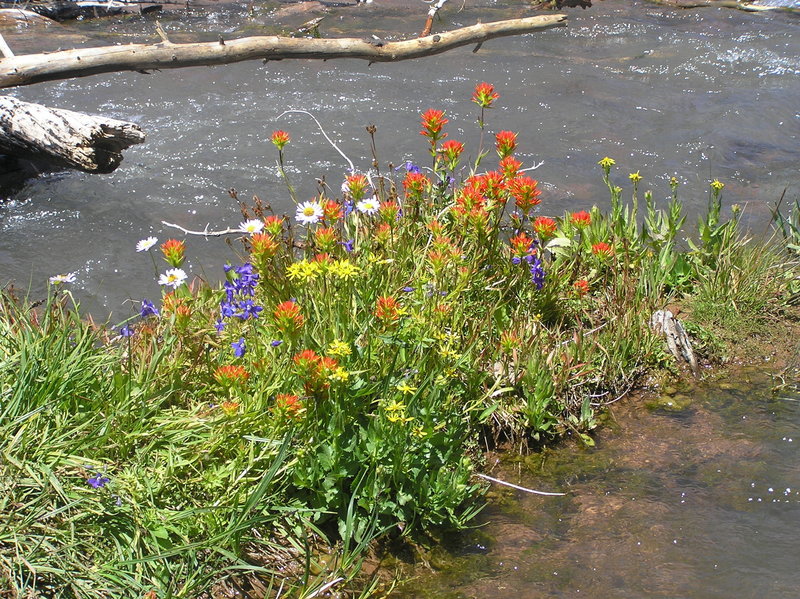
{"x": 697, "y": 503}
{"x": 693, "y": 93}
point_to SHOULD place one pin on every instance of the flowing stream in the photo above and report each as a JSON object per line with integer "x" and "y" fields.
{"x": 696, "y": 497}
{"x": 698, "y": 94}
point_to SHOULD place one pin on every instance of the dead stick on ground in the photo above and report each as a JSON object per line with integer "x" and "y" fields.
{"x": 513, "y": 486}
{"x": 53, "y": 66}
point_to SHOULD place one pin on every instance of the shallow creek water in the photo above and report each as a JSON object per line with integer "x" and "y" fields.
{"x": 696, "y": 497}
{"x": 694, "y": 93}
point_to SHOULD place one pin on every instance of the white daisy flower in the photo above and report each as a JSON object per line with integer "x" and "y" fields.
{"x": 145, "y": 244}
{"x": 67, "y": 278}
{"x": 368, "y": 205}
{"x": 309, "y": 213}
{"x": 251, "y": 226}
{"x": 174, "y": 278}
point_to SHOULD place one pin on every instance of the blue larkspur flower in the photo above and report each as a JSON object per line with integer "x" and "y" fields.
{"x": 276, "y": 342}
{"x": 537, "y": 273}
{"x": 98, "y": 481}
{"x": 219, "y": 325}
{"x": 239, "y": 348}
{"x": 148, "y": 309}
{"x": 226, "y": 309}
{"x": 407, "y": 289}
{"x": 348, "y": 245}
{"x": 126, "y": 331}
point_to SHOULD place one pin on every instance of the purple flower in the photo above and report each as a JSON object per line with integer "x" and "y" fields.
{"x": 537, "y": 273}
{"x": 148, "y": 309}
{"x": 226, "y": 309}
{"x": 248, "y": 310}
{"x": 409, "y": 166}
{"x": 348, "y": 245}
{"x": 239, "y": 347}
{"x": 407, "y": 289}
{"x": 98, "y": 481}
{"x": 126, "y": 331}
{"x": 516, "y": 260}
{"x": 348, "y": 207}
{"x": 220, "y": 326}
{"x": 276, "y": 342}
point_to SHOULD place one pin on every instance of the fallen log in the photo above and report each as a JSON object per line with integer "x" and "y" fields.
{"x": 63, "y": 138}
{"x": 35, "y": 68}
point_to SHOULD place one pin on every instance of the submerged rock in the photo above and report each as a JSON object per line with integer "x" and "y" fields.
{"x": 670, "y": 403}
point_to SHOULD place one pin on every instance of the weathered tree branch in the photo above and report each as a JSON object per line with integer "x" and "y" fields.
{"x": 35, "y": 68}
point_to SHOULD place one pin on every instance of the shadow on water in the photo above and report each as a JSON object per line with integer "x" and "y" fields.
{"x": 696, "y": 499}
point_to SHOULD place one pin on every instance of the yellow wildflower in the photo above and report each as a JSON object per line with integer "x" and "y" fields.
{"x": 343, "y": 269}
{"x": 405, "y": 388}
{"x": 303, "y": 271}
{"x": 607, "y": 162}
{"x": 448, "y": 353}
{"x": 419, "y": 432}
{"x": 339, "y": 349}
{"x": 717, "y": 185}
{"x": 340, "y": 375}
{"x": 635, "y": 177}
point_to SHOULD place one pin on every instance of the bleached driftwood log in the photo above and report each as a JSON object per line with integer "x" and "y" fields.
{"x": 664, "y": 322}
{"x": 34, "y": 68}
{"x": 92, "y": 144}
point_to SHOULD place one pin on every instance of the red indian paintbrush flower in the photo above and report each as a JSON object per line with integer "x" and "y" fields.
{"x": 231, "y": 376}
{"x": 432, "y": 122}
{"x": 505, "y": 143}
{"x": 525, "y": 192}
{"x": 332, "y": 211}
{"x": 280, "y": 139}
{"x": 451, "y": 150}
{"x": 581, "y": 219}
{"x": 389, "y": 211}
{"x": 545, "y": 227}
{"x": 357, "y": 186}
{"x": 173, "y": 251}
{"x": 262, "y": 246}
{"x": 325, "y": 238}
{"x": 484, "y": 95}
{"x": 521, "y": 244}
{"x": 415, "y": 184}
{"x": 274, "y": 225}
{"x": 387, "y": 310}
{"x": 581, "y": 287}
{"x": 510, "y": 167}
{"x": 288, "y": 404}
{"x": 602, "y": 250}
{"x": 509, "y": 342}
{"x": 288, "y": 318}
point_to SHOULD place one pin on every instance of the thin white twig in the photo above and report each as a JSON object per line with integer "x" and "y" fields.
{"x": 205, "y": 232}
{"x": 531, "y": 168}
{"x": 325, "y": 587}
{"x": 513, "y": 486}
{"x": 594, "y": 330}
{"x": 325, "y": 135}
